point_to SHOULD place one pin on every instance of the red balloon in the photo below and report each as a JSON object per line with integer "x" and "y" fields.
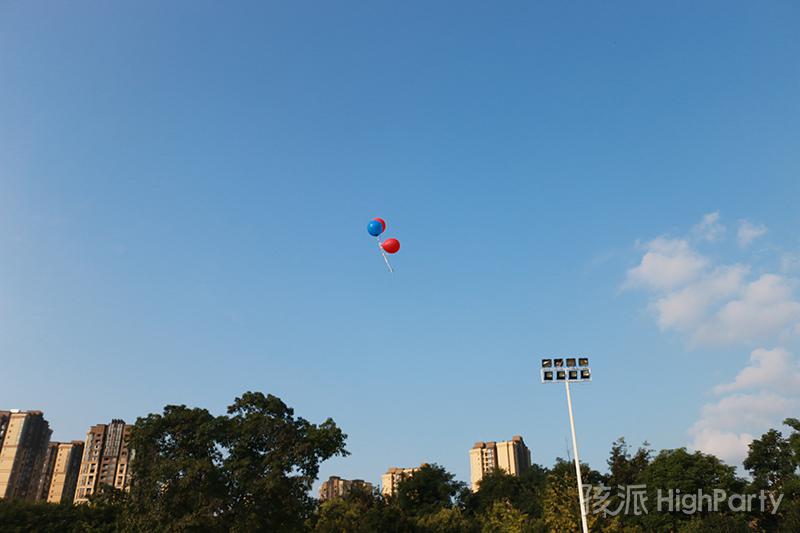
{"x": 383, "y": 222}
{"x": 390, "y": 246}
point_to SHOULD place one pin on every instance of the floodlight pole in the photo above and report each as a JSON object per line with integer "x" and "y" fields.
{"x": 577, "y": 460}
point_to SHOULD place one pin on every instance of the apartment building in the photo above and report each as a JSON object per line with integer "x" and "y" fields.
{"x": 64, "y": 477}
{"x": 336, "y": 487}
{"x": 46, "y": 472}
{"x": 394, "y": 476}
{"x": 22, "y": 453}
{"x": 4, "y": 418}
{"x": 513, "y": 456}
{"x": 105, "y": 459}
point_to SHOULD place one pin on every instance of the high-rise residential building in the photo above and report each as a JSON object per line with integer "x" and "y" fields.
{"x": 46, "y": 472}
{"x": 22, "y": 454}
{"x": 4, "y": 418}
{"x": 65, "y": 472}
{"x": 105, "y": 459}
{"x": 394, "y": 476}
{"x": 336, "y": 487}
{"x": 512, "y": 456}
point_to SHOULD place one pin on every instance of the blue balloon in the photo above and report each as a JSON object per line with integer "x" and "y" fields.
{"x": 374, "y": 228}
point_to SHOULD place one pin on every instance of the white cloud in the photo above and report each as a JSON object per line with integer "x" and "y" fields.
{"x": 748, "y": 232}
{"x": 729, "y": 446}
{"x": 717, "y": 304}
{"x": 742, "y": 410}
{"x": 686, "y": 308}
{"x": 667, "y": 263}
{"x": 713, "y": 305}
{"x": 709, "y": 228}
{"x": 726, "y": 427}
{"x": 766, "y": 308}
{"x": 772, "y": 369}
{"x": 790, "y": 262}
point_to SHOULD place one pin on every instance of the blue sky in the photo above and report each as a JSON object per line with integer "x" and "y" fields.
{"x": 184, "y": 192}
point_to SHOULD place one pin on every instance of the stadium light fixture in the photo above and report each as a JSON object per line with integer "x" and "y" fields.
{"x": 577, "y": 371}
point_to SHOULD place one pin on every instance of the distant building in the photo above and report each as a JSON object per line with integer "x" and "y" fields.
{"x": 394, "y": 476}
{"x": 46, "y": 472}
{"x": 336, "y": 487}
{"x": 64, "y": 478}
{"x": 22, "y": 453}
{"x": 105, "y": 459}
{"x": 4, "y": 418}
{"x": 512, "y": 456}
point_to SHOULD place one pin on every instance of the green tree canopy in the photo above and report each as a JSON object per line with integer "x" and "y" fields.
{"x": 626, "y": 468}
{"x": 682, "y": 473}
{"x": 360, "y": 511}
{"x": 502, "y": 517}
{"x": 524, "y": 492}
{"x": 770, "y": 460}
{"x": 428, "y": 490}
{"x": 248, "y": 471}
{"x": 773, "y": 461}
{"x": 562, "y": 511}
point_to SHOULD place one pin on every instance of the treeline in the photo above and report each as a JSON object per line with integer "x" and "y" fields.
{"x": 252, "y": 470}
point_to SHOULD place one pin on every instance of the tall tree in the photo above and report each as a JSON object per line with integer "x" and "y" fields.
{"x": 428, "y": 490}
{"x": 272, "y": 459}
{"x": 360, "y": 511}
{"x": 681, "y": 472}
{"x": 794, "y": 439}
{"x": 562, "y": 511}
{"x": 177, "y": 478}
{"x": 248, "y": 471}
{"x": 525, "y": 492}
{"x": 773, "y": 461}
{"x": 502, "y": 517}
{"x": 770, "y": 460}
{"x": 626, "y": 468}
{"x": 445, "y": 520}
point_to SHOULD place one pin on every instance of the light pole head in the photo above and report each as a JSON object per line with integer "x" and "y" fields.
{"x": 570, "y": 369}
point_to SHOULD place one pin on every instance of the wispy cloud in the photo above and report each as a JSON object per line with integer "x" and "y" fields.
{"x": 748, "y": 232}
{"x": 773, "y": 369}
{"x": 666, "y": 263}
{"x": 709, "y": 228}
{"x": 727, "y": 426}
{"x": 685, "y": 308}
{"x": 712, "y": 305}
{"x": 766, "y": 308}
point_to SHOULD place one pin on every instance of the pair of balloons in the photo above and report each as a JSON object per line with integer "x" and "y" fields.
{"x": 377, "y": 226}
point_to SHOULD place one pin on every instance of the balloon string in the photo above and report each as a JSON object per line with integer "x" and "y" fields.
{"x": 386, "y": 259}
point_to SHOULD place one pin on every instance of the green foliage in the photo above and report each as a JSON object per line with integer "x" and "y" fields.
{"x": 716, "y": 522}
{"x": 252, "y": 470}
{"x": 502, "y": 517}
{"x": 690, "y": 472}
{"x": 272, "y": 460}
{"x": 679, "y": 470}
{"x": 794, "y": 438}
{"x": 445, "y": 520}
{"x": 624, "y": 468}
{"x": 562, "y": 510}
{"x": 248, "y": 471}
{"x": 178, "y": 481}
{"x": 770, "y": 460}
{"x": 360, "y": 511}
{"x": 430, "y": 489}
{"x": 773, "y": 461}
{"x": 25, "y": 517}
{"x": 524, "y": 492}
